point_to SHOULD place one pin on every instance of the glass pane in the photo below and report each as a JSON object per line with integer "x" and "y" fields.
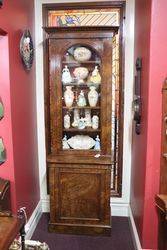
{"x": 81, "y": 86}
{"x": 87, "y": 17}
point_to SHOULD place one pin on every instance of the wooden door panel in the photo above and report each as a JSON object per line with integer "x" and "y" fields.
{"x": 80, "y": 195}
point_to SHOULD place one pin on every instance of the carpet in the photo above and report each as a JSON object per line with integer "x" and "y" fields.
{"x": 120, "y": 239}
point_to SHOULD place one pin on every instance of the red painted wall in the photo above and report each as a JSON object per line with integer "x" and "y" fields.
{"x": 150, "y": 44}
{"x": 15, "y": 16}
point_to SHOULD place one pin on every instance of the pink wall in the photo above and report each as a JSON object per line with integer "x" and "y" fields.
{"x": 7, "y": 169}
{"x": 21, "y": 95}
{"x": 150, "y": 44}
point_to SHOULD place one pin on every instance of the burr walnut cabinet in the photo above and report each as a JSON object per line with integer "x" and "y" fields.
{"x": 78, "y": 87}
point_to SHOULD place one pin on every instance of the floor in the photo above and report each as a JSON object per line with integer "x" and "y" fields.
{"x": 120, "y": 239}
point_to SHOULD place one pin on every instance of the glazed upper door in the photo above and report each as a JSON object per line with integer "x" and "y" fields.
{"x": 80, "y": 74}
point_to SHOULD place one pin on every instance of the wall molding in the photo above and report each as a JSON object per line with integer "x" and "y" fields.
{"x": 33, "y": 221}
{"x": 135, "y": 235}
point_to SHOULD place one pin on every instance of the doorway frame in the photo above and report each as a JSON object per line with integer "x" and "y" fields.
{"x": 93, "y": 5}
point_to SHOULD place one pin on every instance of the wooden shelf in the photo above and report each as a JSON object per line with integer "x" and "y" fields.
{"x": 71, "y": 63}
{"x": 85, "y": 107}
{"x": 82, "y": 130}
{"x": 75, "y": 84}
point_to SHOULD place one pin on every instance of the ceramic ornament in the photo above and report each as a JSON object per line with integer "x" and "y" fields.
{"x": 81, "y": 99}
{"x": 95, "y": 122}
{"x": 80, "y": 74}
{"x": 76, "y": 118}
{"x": 66, "y": 76}
{"x": 88, "y": 121}
{"x": 82, "y": 54}
{"x": 95, "y": 77}
{"x": 65, "y": 143}
{"x": 82, "y": 142}
{"x": 68, "y": 96}
{"x": 67, "y": 121}
{"x": 92, "y": 96}
{"x": 97, "y": 144}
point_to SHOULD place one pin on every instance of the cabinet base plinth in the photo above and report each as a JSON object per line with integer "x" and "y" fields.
{"x": 80, "y": 229}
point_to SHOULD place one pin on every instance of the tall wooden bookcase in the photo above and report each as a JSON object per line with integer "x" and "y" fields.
{"x": 80, "y": 171}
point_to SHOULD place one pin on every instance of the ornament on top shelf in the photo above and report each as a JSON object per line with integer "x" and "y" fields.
{"x": 82, "y": 54}
{"x": 95, "y": 76}
{"x": 66, "y": 76}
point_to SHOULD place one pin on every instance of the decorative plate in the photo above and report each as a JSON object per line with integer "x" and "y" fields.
{"x": 82, "y": 54}
{"x": 27, "y": 50}
{"x": 81, "y": 142}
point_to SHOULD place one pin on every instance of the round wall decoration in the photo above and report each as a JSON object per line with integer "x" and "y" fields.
{"x": 27, "y": 49}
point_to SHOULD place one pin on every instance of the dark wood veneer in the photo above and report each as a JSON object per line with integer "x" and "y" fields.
{"x": 161, "y": 199}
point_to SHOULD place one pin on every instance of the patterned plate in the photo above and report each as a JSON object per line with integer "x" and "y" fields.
{"x": 27, "y": 50}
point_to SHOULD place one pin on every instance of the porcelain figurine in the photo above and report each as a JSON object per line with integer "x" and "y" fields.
{"x": 76, "y": 118}
{"x": 81, "y": 102}
{"x": 67, "y": 121}
{"x": 95, "y": 122}
{"x": 97, "y": 143}
{"x": 92, "y": 96}
{"x": 65, "y": 143}
{"x": 95, "y": 77}
{"x": 81, "y": 123}
{"x": 68, "y": 96}
{"x": 88, "y": 121}
{"x": 66, "y": 76}
{"x": 81, "y": 73}
{"x": 82, "y": 54}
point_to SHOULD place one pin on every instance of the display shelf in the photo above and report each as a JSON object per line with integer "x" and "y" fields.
{"x": 85, "y": 107}
{"x": 82, "y": 130}
{"x": 80, "y": 86}
{"x": 75, "y": 63}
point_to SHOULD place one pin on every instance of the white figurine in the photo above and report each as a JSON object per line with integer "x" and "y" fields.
{"x": 66, "y": 76}
{"x": 65, "y": 143}
{"x": 67, "y": 121}
{"x": 76, "y": 118}
{"x": 81, "y": 123}
{"x": 81, "y": 99}
{"x": 97, "y": 144}
{"x": 95, "y": 77}
{"x": 88, "y": 121}
{"x": 95, "y": 122}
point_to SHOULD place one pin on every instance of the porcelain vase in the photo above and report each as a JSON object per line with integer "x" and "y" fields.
{"x": 68, "y": 96}
{"x": 67, "y": 121}
{"x": 92, "y": 96}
